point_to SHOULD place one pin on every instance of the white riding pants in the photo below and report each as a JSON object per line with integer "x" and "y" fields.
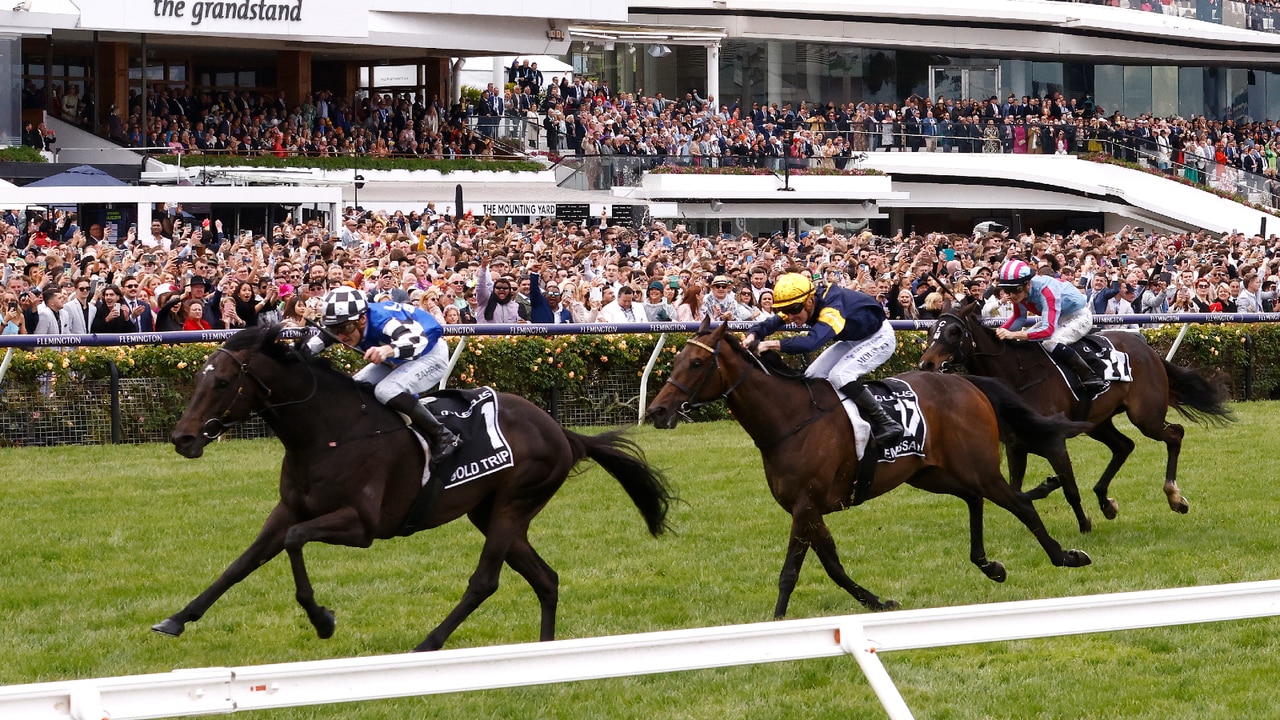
{"x": 848, "y": 360}
{"x": 418, "y": 376}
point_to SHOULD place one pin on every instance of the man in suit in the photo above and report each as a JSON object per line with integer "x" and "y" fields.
{"x": 139, "y": 309}
{"x": 80, "y": 309}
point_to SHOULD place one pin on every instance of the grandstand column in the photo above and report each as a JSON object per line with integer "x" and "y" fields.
{"x": 112, "y": 80}
{"x": 713, "y": 74}
{"x": 293, "y": 75}
{"x": 773, "y": 78}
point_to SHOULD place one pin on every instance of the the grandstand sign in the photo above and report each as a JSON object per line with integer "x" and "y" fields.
{"x": 230, "y": 17}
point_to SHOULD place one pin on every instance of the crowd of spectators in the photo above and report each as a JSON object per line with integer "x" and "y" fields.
{"x": 61, "y": 278}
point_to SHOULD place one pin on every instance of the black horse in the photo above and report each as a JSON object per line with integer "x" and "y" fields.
{"x": 962, "y": 339}
{"x": 352, "y": 470}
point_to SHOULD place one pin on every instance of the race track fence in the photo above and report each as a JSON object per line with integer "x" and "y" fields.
{"x": 132, "y": 410}
{"x": 187, "y": 692}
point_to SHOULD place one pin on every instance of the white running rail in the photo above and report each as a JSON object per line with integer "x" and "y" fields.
{"x": 228, "y": 690}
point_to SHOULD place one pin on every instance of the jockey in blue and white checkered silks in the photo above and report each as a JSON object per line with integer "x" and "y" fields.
{"x": 1063, "y": 312}
{"x": 403, "y": 347}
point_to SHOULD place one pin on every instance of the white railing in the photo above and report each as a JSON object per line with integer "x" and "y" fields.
{"x": 257, "y": 687}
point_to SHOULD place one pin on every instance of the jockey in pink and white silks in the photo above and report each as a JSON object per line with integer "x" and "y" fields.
{"x": 1063, "y": 317}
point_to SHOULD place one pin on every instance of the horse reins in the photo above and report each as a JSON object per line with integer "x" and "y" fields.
{"x": 690, "y": 404}
{"x": 220, "y": 424}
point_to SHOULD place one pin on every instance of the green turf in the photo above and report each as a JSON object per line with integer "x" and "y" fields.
{"x": 100, "y": 543}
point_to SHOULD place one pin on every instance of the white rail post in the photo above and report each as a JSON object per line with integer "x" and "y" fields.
{"x": 453, "y": 360}
{"x": 855, "y": 641}
{"x": 644, "y": 379}
{"x": 1177, "y": 341}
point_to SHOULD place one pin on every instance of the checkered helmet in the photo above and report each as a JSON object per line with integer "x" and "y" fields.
{"x": 343, "y": 304}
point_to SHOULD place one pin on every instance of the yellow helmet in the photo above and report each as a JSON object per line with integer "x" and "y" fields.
{"x": 790, "y": 290}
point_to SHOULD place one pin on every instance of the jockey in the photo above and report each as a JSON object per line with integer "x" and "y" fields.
{"x": 1064, "y": 317}
{"x": 864, "y": 340}
{"x": 402, "y": 346}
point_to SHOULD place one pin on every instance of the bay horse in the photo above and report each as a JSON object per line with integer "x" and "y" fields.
{"x": 352, "y": 469}
{"x": 961, "y": 338}
{"x": 807, "y": 444}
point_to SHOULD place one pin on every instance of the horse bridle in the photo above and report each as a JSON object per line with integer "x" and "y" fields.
{"x": 963, "y": 350}
{"x": 690, "y": 403}
{"x": 215, "y": 427}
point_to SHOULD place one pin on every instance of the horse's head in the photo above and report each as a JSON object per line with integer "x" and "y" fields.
{"x": 697, "y": 376}
{"x": 228, "y": 389}
{"x": 951, "y": 342}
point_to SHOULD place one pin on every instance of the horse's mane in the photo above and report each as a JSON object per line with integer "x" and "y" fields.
{"x": 266, "y": 340}
{"x": 769, "y": 361}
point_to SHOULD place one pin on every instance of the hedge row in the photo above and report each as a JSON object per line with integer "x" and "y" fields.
{"x": 538, "y": 366}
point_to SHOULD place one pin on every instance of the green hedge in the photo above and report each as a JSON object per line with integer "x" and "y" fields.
{"x": 346, "y": 162}
{"x": 21, "y": 153}
{"x": 537, "y": 366}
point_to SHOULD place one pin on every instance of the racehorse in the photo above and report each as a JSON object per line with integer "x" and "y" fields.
{"x": 960, "y": 338}
{"x": 352, "y": 470}
{"x": 808, "y": 447}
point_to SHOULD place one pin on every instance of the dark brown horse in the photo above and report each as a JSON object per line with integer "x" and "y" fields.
{"x": 960, "y": 338}
{"x": 807, "y": 444}
{"x": 352, "y": 469}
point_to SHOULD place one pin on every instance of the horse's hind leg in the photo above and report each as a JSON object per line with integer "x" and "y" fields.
{"x": 1065, "y": 479}
{"x": 501, "y": 533}
{"x": 797, "y": 548}
{"x": 545, "y": 583}
{"x": 810, "y": 525}
{"x": 999, "y": 492}
{"x": 1107, "y": 434}
{"x": 1171, "y": 435}
{"x": 268, "y": 544}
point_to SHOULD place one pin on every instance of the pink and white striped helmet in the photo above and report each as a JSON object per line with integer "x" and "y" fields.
{"x": 1013, "y": 273}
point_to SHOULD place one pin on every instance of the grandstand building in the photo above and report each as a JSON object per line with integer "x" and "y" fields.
{"x": 1177, "y": 57}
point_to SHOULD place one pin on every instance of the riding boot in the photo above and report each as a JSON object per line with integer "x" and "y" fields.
{"x": 440, "y": 439}
{"x": 1091, "y": 384}
{"x": 886, "y": 431}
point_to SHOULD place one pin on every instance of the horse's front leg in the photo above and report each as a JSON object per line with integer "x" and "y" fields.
{"x": 268, "y": 544}
{"x": 341, "y": 527}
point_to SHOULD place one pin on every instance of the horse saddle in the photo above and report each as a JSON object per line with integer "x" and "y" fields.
{"x": 484, "y": 450}
{"x": 1101, "y": 355}
{"x": 899, "y": 400}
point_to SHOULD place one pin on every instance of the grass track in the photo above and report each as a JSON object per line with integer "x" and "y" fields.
{"x": 100, "y": 543}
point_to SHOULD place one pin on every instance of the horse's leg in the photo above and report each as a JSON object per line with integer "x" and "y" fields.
{"x": 545, "y": 583}
{"x": 1065, "y": 479}
{"x": 1001, "y": 493}
{"x": 1171, "y": 435}
{"x": 1017, "y": 457}
{"x": 341, "y": 527}
{"x": 811, "y": 525}
{"x": 268, "y": 544}
{"x": 797, "y": 549}
{"x": 977, "y": 546}
{"x": 501, "y": 532}
{"x": 1107, "y": 434}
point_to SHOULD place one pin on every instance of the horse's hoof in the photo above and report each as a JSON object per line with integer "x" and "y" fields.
{"x": 1044, "y": 489}
{"x": 1077, "y": 558}
{"x": 995, "y": 571}
{"x": 325, "y": 624}
{"x": 427, "y": 645}
{"x": 169, "y": 627}
{"x": 1110, "y": 508}
{"x": 1086, "y": 526}
{"x": 1181, "y": 506}
{"x": 888, "y": 605}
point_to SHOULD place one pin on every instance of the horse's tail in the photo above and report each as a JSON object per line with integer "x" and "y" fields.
{"x": 1019, "y": 421}
{"x": 1197, "y": 398}
{"x": 622, "y": 458}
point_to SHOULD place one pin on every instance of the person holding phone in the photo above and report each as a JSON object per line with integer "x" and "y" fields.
{"x": 111, "y": 315}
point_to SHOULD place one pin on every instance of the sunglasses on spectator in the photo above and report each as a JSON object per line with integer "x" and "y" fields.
{"x": 82, "y": 288}
{"x": 134, "y": 285}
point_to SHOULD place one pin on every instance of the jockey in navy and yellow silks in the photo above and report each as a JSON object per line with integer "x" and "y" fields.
{"x": 863, "y": 341}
